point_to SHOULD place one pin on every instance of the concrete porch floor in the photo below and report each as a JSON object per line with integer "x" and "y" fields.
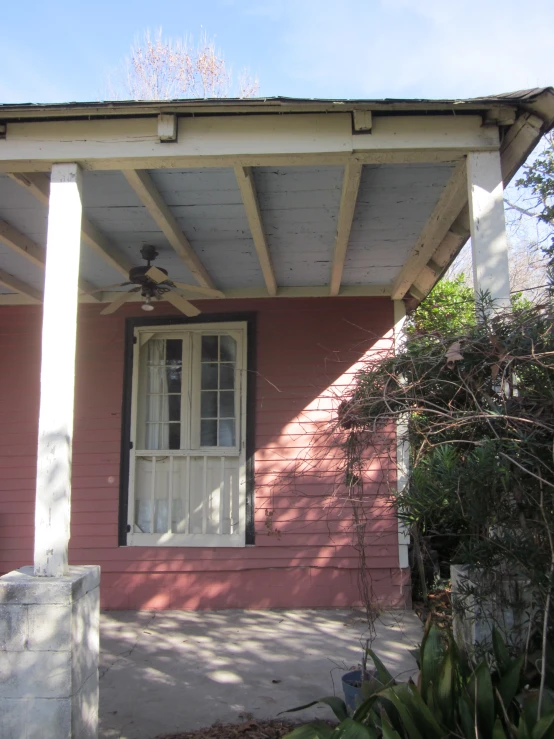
{"x": 170, "y": 671}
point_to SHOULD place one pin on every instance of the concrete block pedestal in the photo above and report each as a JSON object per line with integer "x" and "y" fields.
{"x": 49, "y": 645}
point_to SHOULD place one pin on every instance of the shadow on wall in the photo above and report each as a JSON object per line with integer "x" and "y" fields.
{"x": 308, "y": 352}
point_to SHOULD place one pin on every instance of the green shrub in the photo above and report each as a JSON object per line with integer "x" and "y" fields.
{"x": 451, "y": 699}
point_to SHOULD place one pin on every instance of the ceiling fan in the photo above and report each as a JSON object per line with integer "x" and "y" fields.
{"x": 154, "y": 284}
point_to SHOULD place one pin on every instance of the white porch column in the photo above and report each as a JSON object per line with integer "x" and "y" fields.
{"x": 402, "y": 442}
{"x": 488, "y": 228}
{"x": 57, "y": 377}
{"x": 50, "y": 614}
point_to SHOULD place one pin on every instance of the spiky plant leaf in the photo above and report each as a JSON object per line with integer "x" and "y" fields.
{"x": 337, "y": 705}
{"x": 315, "y": 730}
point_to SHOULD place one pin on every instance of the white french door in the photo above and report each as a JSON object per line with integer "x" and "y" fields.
{"x": 187, "y": 471}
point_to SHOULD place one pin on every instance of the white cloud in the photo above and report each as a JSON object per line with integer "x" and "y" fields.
{"x": 413, "y": 48}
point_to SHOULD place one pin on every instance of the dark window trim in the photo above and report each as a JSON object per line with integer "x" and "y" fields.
{"x": 130, "y": 325}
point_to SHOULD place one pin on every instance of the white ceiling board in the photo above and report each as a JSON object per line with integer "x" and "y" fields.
{"x": 208, "y": 206}
{"x": 394, "y": 204}
{"x": 300, "y": 207}
{"x": 21, "y": 268}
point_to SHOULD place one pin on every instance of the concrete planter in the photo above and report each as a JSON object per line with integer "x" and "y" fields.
{"x": 482, "y": 600}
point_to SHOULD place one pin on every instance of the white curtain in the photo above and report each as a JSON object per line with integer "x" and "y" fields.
{"x": 157, "y": 411}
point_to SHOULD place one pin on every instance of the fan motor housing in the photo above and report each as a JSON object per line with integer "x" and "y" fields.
{"x": 138, "y": 275}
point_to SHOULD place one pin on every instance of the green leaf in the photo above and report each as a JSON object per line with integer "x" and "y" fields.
{"x": 544, "y": 728}
{"x": 467, "y": 718}
{"x": 362, "y": 712}
{"x": 337, "y": 705}
{"x": 501, "y": 654}
{"x": 370, "y": 687}
{"x": 481, "y": 691}
{"x": 388, "y": 731}
{"x": 423, "y": 714}
{"x": 416, "y": 718}
{"x": 382, "y": 673}
{"x": 350, "y": 729}
{"x": 404, "y": 714}
{"x": 432, "y": 654}
{"x": 498, "y": 730}
{"x": 315, "y": 730}
{"x": 509, "y": 682}
{"x": 445, "y": 688}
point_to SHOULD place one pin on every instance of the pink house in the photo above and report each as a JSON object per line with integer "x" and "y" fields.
{"x": 201, "y": 457}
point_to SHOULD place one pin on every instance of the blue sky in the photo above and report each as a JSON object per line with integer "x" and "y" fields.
{"x": 62, "y": 50}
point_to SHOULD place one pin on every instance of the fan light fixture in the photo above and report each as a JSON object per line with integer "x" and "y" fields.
{"x": 147, "y": 305}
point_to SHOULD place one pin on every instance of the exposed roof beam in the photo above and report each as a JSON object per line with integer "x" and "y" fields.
{"x": 18, "y": 286}
{"x": 349, "y": 197}
{"x": 26, "y": 247}
{"x": 101, "y": 245}
{"x": 448, "y": 207}
{"x": 518, "y": 143}
{"x": 142, "y": 184}
{"x": 38, "y": 184}
{"x": 247, "y": 187}
{"x": 455, "y": 238}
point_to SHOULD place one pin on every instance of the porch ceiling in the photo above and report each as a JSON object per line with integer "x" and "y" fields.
{"x": 376, "y": 214}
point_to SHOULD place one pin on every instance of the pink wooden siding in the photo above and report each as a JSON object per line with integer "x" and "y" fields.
{"x": 307, "y": 350}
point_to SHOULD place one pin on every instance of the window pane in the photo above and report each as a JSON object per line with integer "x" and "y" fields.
{"x": 227, "y": 405}
{"x": 209, "y": 376}
{"x": 208, "y": 433}
{"x": 174, "y": 379}
{"x": 227, "y": 376}
{"x": 174, "y": 405}
{"x": 174, "y": 435}
{"x": 227, "y": 433}
{"x": 227, "y": 348}
{"x": 209, "y": 348}
{"x": 173, "y": 351}
{"x": 208, "y": 404}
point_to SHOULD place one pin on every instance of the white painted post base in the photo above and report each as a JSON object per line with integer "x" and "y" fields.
{"x": 49, "y": 643}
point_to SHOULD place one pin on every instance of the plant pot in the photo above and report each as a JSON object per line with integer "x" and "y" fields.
{"x": 352, "y": 689}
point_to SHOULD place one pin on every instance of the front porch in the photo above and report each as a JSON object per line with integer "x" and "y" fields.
{"x": 187, "y": 451}
{"x": 163, "y": 672}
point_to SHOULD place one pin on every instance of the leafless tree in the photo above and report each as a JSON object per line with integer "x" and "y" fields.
{"x": 159, "y": 68}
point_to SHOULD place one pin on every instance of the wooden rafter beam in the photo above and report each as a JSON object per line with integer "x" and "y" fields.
{"x": 448, "y": 207}
{"x": 148, "y": 194}
{"x": 518, "y": 142}
{"x": 26, "y": 248}
{"x": 18, "y": 286}
{"x": 38, "y": 185}
{"x": 349, "y": 198}
{"x": 247, "y": 187}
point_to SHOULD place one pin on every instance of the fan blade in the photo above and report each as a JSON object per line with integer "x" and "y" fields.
{"x": 210, "y": 292}
{"x": 156, "y": 275}
{"x": 181, "y": 304}
{"x": 115, "y": 304}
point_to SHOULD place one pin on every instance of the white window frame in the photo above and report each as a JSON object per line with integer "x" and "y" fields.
{"x": 141, "y": 335}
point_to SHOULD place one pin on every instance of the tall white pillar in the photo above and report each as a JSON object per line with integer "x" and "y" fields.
{"x": 51, "y": 614}
{"x": 57, "y": 377}
{"x": 488, "y": 228}
{"x": 402, "y": 441}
